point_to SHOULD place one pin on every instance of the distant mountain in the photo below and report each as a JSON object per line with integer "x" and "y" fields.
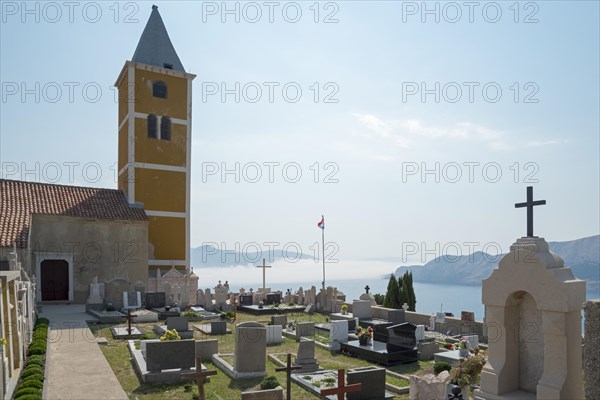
{"x": 209, "y": 256}
{"x": 581, "y": 255}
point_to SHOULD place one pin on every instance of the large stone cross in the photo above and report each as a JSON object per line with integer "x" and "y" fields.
{"x": 263, "y": 266}
{"x": 199, "y": 376}
{"x": 342, "y": 389}
{"x": 529, "y": 204}
{"x": 367, "y": 288}
{"x": 288, "y": 371}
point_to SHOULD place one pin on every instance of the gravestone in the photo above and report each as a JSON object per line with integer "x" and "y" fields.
{"x": 429, "y": 386}
{"x": 218, "y": 327}
{"x": 372, "y": 380}
{"x": 180, "y": 324}
{"x": 96, "y": 292}
{"x": 473, "y": 341}
{"x": 402, "y": 342}
{"x": 361, "y": 309}
{"x": 279, "y": 320}
{"x": 420, "y": 333}
{"x": 155, "y": 300}
{"x": 467, "y": 316}
{"x": 132, "y": 300}
{"x": 273, "y": 298}
{"x": 338, "y": 333}
{"x": 310, "y": 309}
{"x": 206, "y": 348}
{"x": 305, "y": 358}
{"x": 250, "y": 348}
{"x": 246, "y": 300}
{"x": 305, "y": 329}
{"x": 274, "y": 334}
{"x": 533, "y": 296}
{"x": 170, "y": 354}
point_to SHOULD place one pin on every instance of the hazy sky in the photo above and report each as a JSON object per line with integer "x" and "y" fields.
{"x": 495, "y": 96}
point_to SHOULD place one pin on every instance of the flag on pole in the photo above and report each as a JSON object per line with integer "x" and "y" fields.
{"x": 321, "y": 223}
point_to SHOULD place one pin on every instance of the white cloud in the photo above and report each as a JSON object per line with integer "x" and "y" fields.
{"x": 403, "y": 133}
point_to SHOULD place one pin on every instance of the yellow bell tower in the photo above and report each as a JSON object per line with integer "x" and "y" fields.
{"x": 155, "y": 135}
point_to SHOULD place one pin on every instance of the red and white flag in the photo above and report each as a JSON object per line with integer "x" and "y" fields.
{"x": 321, "y": 223}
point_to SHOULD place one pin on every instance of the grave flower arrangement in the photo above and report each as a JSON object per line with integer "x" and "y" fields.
{"x": 364, "y": 335}
{"x": 461, "y": 344}
{"x": 468, "y": 371}
{"x": 170, "y": 335}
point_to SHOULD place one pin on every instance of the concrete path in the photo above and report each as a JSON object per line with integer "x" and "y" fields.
{"x": 75, "y": 365}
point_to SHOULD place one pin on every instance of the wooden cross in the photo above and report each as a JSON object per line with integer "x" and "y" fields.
{"x": 342, "y": 389}
{"x": 529, "y": 204}
{"x": 288, "y": 371}
{"x": 129, "y": 317}
{"x": 263, "y": 266}
{"x": 200, "y": 376}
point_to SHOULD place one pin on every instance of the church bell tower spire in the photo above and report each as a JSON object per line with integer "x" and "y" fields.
{"x": 155, "y": 132}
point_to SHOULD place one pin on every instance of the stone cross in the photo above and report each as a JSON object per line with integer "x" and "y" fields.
{"x": 405, "y": 307}
{"x": 288, "y": 371}
{"x": 529, "y": 204}
{"x": 130, "y": 317}
{"x": 342, "y": 389}
{"x": 200, "y": 376}
{"x": 367, "y": 288}
{"x": 263, "y": 266}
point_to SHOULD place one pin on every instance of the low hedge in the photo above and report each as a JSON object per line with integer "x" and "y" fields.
{"x": 32, "y": 378}
{"x": 31, "y": 383}
{"x": 29, "y": 397}
{"x": 29, "y": 390}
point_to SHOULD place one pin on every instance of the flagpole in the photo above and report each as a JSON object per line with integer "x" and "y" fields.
{"x": 323, "y": 243}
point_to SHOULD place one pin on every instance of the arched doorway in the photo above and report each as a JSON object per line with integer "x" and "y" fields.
{"x": 54, "y": 276}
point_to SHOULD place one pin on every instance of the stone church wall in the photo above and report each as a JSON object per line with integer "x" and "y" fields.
{"x": 114, "y": 251}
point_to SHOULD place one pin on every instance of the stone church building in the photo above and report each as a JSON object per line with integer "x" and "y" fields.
{"x": 65, "y": 236}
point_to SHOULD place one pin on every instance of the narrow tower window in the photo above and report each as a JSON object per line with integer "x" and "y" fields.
{"x": 159, "y": 89}
{"x": 152, "y": 131}
{"x": 165, "y": 128}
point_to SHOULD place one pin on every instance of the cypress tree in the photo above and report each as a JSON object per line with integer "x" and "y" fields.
{"x": 391, "y": 296}
{"x": 402, "y": 295}
{"x": 412, "y": 298}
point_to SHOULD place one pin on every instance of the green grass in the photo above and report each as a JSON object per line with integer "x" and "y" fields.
{"x": 221, "y": 386}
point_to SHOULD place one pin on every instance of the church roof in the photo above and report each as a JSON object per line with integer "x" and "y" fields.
{"x": 19, "y": 200}
{"x": 155, "y": 47}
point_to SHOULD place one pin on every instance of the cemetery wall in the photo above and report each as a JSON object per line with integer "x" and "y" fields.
{"x": 107, "y": 249}
{"x": 455, "y": 325}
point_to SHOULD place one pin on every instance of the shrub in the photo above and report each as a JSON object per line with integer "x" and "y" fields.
{"x": 38, "y": 342}
{"x": 187, "y": 388}
{"x": 223, "y": 315}
{"x": 42, "y": 321}
{"x": 441, "y": 366}
{"x": 33, "y": 391}
{"x": 28, "y": 397}
{"x": 191, "y": 314}
{"x": 31, "y": 383}
{"x": 36, "y": 350}
{"x": 29, "y": 368}
{"x": 35, "y": 360}
{"x": 32, "y": 372}
{"x": 270, "y": 382}
{"x": 230, "y": 314}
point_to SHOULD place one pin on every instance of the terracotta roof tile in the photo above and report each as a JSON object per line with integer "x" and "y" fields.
{"x": 19, "y": 200}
